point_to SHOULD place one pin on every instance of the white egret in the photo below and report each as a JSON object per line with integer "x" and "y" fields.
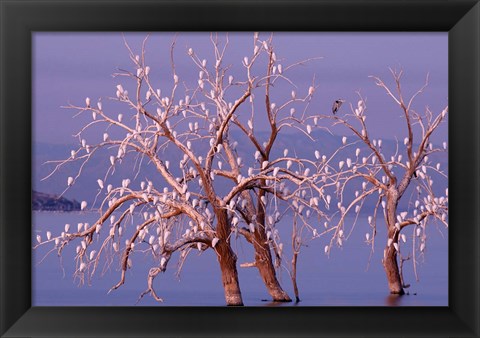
{"x": 83, "y": 205}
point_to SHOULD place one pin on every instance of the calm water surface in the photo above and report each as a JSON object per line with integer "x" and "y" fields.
{"x": 343, "y": 279}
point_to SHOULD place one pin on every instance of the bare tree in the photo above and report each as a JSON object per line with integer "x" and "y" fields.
{"x": 386, "y": 178}
{"x": 212, "y": 195}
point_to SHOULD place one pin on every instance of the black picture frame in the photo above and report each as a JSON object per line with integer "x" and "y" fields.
{"x": 19, "y": 18}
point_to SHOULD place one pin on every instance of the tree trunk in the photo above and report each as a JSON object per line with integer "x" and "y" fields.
{"x": 391, "y": 269}
{"x": 263, "y": 261}
{"x": 228, "y": 266}
{"x": 228, "y": 262}
{"x": 263, "y": 258}
{"x": 390, "y": 258}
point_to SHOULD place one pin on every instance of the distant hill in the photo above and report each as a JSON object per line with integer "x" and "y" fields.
{"x": 86, "y": 187}
{"x": 48, "y": 202}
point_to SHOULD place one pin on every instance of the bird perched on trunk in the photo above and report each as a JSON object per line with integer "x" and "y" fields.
{"x": 336, "y": 105}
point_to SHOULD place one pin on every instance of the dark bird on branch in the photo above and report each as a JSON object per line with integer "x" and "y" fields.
{"x": 336, "y": 105}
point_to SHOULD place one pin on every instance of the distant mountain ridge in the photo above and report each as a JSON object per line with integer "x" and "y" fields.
{"x": 86, "y": 187}
{"x": 48, "y": 202}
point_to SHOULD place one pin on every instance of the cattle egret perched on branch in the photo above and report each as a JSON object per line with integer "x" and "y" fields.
{"x": 336, "y": 105}
{"x": 83, "y": 205}
{"x": 70, "y": 181}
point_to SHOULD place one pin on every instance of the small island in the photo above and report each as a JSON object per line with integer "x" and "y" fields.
{"x": 48, "y": 202}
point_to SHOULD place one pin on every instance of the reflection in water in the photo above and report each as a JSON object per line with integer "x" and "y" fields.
{"x": 270, "y": 303}
{"x": 393, "y": 300}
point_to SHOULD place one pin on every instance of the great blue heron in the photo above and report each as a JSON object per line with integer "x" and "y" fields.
{"x": 336, "y": 105}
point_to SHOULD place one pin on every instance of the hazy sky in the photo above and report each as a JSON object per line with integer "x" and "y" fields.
{"x": 67, "y": 67}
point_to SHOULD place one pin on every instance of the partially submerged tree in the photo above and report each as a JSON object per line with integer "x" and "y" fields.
{"x": 212, "y": 195}
{"x": 388, "y": 178}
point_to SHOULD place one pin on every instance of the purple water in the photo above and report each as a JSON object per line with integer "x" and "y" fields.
{"x": 339, "y": 280}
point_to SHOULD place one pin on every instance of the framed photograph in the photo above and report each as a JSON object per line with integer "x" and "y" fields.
{"x": 172, "y": 163}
